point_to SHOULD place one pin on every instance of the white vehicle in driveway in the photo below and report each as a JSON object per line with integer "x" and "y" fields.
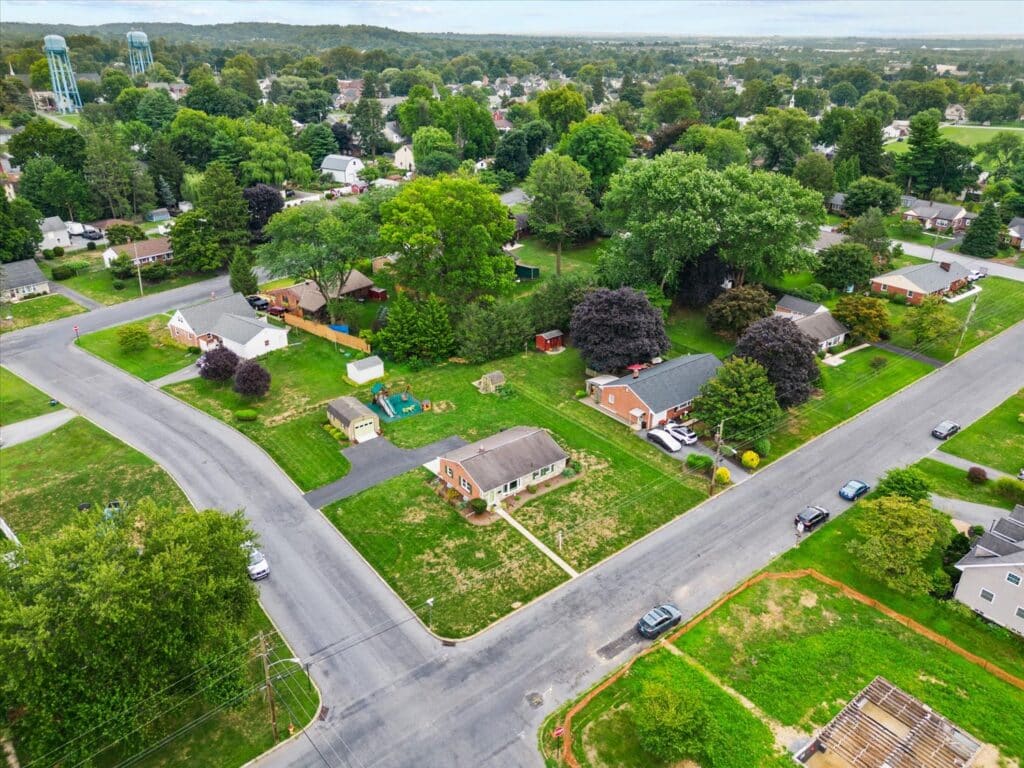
{"x": 663, "y": 439}
{"x": 682, "y": 434}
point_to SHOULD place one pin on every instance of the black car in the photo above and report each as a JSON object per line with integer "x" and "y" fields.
{"x": 657, "y": 620}
{"x": 946, "y": 430}
{"x": 811, "y": 518}
{"x": 258, "y": 303}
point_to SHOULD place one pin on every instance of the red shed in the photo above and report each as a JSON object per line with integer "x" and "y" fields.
{"x": 377, "y": 294}
{"x": 549, "y": 341}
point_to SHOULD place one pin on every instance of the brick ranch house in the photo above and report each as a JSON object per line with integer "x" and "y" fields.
{"x": 940, "y": 216}
{"x": 654, "y": 395}
{"x": 1015, "y": 232}
{"x": 306, "y": 299}
{"x": 502, "y": 464}
{"x": 920, "y": 280}
{"x": 228, "y": 322}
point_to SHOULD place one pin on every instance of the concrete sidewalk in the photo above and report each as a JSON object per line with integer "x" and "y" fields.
{"x": 968, "y": 511}
{"x": 22, "y": 431}
{"x": 965, "y": 464}
{"x": 187, "y": 373}
{"x": 75, "y": 296}
{"x": 548, "y": 552}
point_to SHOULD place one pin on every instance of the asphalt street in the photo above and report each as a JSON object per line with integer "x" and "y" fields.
{"x": 394, "y": 695}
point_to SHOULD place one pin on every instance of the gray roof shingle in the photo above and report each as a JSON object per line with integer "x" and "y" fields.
{"x": 507, "y": 456}
{"x": 930, "y": 277}
{"x": 821, "y": 327}
{"x": 366, "y": 363}
{"x": 203, "y": 318}
{"x": 672, "y": 382}
{"x": 336, "y": 162}
{"x": 238, "y": 328}
{"x": 53, "y": 224}
{"x": 348, "y": 409}
{"x": 18, "y": 274}
{"x": 798, "y": 305}
{"x": 929, "y": 210}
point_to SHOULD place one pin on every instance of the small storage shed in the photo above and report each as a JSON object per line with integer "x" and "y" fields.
{"x": 490, "y": 383}
{"x": 367, "y": 369}
{"x": 549, "y": 341}
{"x": 526, "y": 272}
{"x": 158, "y": 214}
{"x": 376, "y": 293}
{"x": 353, "y": 418}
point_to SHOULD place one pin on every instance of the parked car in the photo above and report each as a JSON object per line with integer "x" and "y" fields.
{"x": 975, "y": 274}
{"x": 275, "y": 311}
{"x": 684, "y": 435}
{"x": 258, "y": 567}
{"x": 853, "y": 490}
{"x": 91, "y": 233}
{"x": 657, "y": 620}
{"x": 945, "y": 430}
{"x": 258, "y": 303}
{"x": 811, "y": 518}
{"x": 664, "y": 440}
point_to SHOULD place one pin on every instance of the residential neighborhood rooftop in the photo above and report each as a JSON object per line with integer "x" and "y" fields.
{"x": 53, "y": 224}
{"x": 821, "y": 327}
{"x": 672, "y": 382}
{"x": 507, "y": 455}
{"x": 155, "y": 246}
{"x": 204, "y": 317}
{"x": 798, "y": 306}
{"x": 336, "y": 162}
{"x": 1003, "y": 544}
{"x": 17, "y": 274}
{"x": 927, "y": 278}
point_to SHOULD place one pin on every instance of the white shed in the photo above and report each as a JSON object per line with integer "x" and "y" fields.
{"x": 55, "y": 233}
{"x": 404, "y": 158}
{"x": 367, "y": 369}
{"x": 343, "y": 168}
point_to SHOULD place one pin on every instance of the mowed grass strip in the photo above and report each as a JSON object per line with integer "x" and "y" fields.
{"x": 952, "y": 483}
{"x": 801, "y": 650}
{"x": 846, "y": 390}
{"x": 35, "y": 311}
{"x": 99, "y": 286}
{"x": 689, "y": 333}
{"x": 45, "y": 479}
{"x": 578, "y": 259}
{"x": 996, "y": 439}
{"x": 161, "y": 357}
{"x": 424, "y": 549}
{"x": 19, "y": 400}
{"x": 826, "y": 551}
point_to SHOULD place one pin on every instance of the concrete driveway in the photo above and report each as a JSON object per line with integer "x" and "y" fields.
{"x": 738, "y": 473}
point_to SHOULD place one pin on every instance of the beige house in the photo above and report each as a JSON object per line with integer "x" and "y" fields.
{"x": 353, "y": 418}
{"x": 992, "y": 580}
{"x": 404, "y": 158}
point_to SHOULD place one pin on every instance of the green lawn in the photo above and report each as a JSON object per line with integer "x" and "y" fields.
{"x": 45, "y": 479}
{"x": 424, "y": 548}
{"x": 689, "y": 333}
{"x": 952, "y": 482}
{"x": 1000, "y": 305}
{"x": 304, "y": 378}
{"x": 161, "y": 357}
{"x": 801, "y": 650}
{"x": 281, "y": 282}
{"x": 995, "y": 440}
{"x": 20, "y": 400}
{"x": 42, "y": 309}
{"x": 826, "y": 550}
{"x": 99, "y": 286}
{"x": 845, "y": 392}
{"x": 534, "y": 253}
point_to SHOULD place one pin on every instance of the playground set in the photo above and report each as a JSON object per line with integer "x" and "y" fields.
{"x": 392, "y": 406}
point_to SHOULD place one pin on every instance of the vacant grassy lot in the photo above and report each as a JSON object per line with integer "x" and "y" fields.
{"x": 952, "y": 483}
{"x": 424, "y": 548}
{"x": 604, "y": 734}
{"x": 20, "y": 400}
{"x": 99, "y": 285}
{"x": 826, "y": 551}
{"x": 845, "y": 392}
{"x": 801, "y": 650}
{"x": 581, "y": 259}
{"x": 162, "y": 356}
{"x": 1000, "y": 305}
{"x": 35, "y": 311}
{"x": 45, "y": 479}
{"x": 304, "y": 378}
{"x": 995, "y": 440}
{"x": 689, "y": 333}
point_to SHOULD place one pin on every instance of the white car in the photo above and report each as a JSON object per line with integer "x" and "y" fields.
{"x": 664, "y": 439}
{"x": 258, "y": 567}
{"x": 684, "y": 435}
{"x": 975, "y": 274}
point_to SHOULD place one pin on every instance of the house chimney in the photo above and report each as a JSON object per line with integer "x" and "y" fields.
{"x": 636, "y": 373}
{"x": 944, "y": 265}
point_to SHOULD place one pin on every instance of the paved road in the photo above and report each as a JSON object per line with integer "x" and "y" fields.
{"x": 993, "y": 267}
{"x": 902, "y": 352}
{"x": 28, "y": 429}
{"x": 395, "y": 696}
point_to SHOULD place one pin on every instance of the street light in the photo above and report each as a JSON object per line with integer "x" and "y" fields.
{"x": 430, "y": 612}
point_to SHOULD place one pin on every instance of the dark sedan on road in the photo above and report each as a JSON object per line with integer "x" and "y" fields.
{"x": 853, "y": 490}
{"x": 811, "y": 518}
{"x": 945, "y": 430}
{"x": 657, "y": 620}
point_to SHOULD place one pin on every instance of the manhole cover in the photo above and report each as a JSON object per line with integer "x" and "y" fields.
{"x": 323, "y": 713}
{"x": 535, "y": 699}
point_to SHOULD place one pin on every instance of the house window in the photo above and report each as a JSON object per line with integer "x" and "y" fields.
{"x": 910, "y": 294}
{"x": 611, "y": 399}
{"x": 511, "y": 486}
{"x": 448, "y": 471}
{"x": 1013, "y": 578}
{"x": 987, "y": 596}
{"x": 1020, "y": 612}
{"x": 465, "y": 485}
{"x": 266, "y": 342}
{"x": 884, "y": 288}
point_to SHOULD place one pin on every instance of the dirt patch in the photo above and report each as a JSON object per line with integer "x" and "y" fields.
{"x": 808, "y": 599}
{"x": 441, "y": 406}
{"x": 989, "y": 757}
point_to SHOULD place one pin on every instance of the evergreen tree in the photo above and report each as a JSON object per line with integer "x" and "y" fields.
{"x": 847, "y": 172}
{"x": 242, "y": 277}
{"x": 631, "y": 91}
{"x": 862, "y": 138}
{"x": 982, "y": 238}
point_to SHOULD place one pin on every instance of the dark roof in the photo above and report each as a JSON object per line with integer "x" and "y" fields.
{"x": 1016, "y": 223}
{"x": 929, "y": 210}
{"x": 798, "y": 305}
{"x": 826, "y": 239}
{"x": 18, "y": 274}
{"x": 507, "y": 456}
{"x": 53, "y": 224}
{"x": 821, "y": 327}
{"x": 673, "y": 382}
{"x": 155, "y": 246}
{"x": 1002, "y": 545}
{"x": 349, "y": 409}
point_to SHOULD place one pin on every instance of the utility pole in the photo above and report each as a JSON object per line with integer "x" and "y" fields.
{"x": 718, "y": 457}
{"x": 138, "y": 268}
{"x": 270, "y": 689}
{"x": 963, "y": 333}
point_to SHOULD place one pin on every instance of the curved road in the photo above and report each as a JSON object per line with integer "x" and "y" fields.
{"x": 395, "y": 696}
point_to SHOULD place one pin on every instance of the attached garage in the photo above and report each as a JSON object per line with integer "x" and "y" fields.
{"x": 353, "y": 418}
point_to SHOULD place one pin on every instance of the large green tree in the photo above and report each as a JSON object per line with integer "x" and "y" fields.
{"x": 489, "y": 332}
{"x": 449, "y": 232}
{"x": 561, "y": 107}
{"x": 868, "y": 192}
{"x": 720, "y": 146}
{"x": 114, "y": 173}
{"x": 931, "y": 160}
{"x": 560, "y": 210}
{"x": 815, "y": 171}
{"x": 317, "y": 141}
{"x": 56, "y": 191}
{"x": 19, "y": 229}
{"x": 671, "y": 101}
{"x": 170, "y": 586}
{"x": 780, "y": 137}
{"x": 468, "y": 123}
{"x": 843, "y": 265}
{"x": 368, "y": 124}
{"x": 434, "y": 151}
{"x": 737, "y": 308}
{"x": 42, "y": 137}
{"x": 930, "y": 321}
{"x": 862, "y": 138}
{"x": 741, "y": 396}
{"x": 982, "y": 238}
{"x": 416, "y": 330}
{"x": 673, "y": 723}
{"x": 867, "y": 318}
{"x": 600, "y": 145}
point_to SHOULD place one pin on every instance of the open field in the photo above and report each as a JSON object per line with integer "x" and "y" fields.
{"x": 424, "y": 548}
{"x": 581, "y": 259}
{"x": 45, "y": 479}
{"x": 995, "y": 440}
{"x": 952, "y": 483}
{"x": 99, "y": 285}
{"x": 41, "y": 309}
{"x": 161, "y": 357}
{"x": 20, "y": 400}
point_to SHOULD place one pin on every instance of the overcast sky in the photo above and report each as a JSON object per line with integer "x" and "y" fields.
{"x": 840, "y": 18}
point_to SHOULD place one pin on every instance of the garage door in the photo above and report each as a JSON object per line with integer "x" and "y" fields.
{"x": 364, "y": 432}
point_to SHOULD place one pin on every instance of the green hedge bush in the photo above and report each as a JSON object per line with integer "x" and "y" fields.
{"x": 246, "y": 414}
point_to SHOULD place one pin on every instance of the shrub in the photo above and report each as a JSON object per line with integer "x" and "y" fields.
{"x": 121, "y": 266}
{"x": 763, "y": 446}
{"x": 251, "y": 379}
{"x": 898, "y": 298}
{"x": 132, "y": 338}
{"x": 816, "y": 292}
{"x": 478, "y": 505}
{"x": 58, "y": 251}
{"x": 885, "y": 334}
{"x": 1010, "y": 489}
{"x": 699, "y": 462}
{"x": 975, "y": 531}
{"x": 581, "y": 393}
{"x": 219, "y": 364}
{"x": 531, "y": 489}
{"x": 723, "y": 476}
{"x": 977, "y": 475}
{"x": 910, "y": 229}
{"x": 91, "y": 245}
{"x": 569, "y": 472}
{"x": 47, "y": 253}
{"x": 878, "y": 362}
{"x": 117, "y": 284}
{"x": 154, "y": 273}
{"x": 576, "y": 466}
{"x": 62, "y": 272}
{"x": 750, "y": 460}
{"x": 907, "y": 482}
{"x": 246, "y": 414}
{"x": 77, "y": 265}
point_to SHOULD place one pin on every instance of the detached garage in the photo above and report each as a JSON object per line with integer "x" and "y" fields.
{"x": 353, "y": 418}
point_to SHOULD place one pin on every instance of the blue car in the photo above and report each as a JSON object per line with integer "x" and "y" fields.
{"x": 853, "y": 490}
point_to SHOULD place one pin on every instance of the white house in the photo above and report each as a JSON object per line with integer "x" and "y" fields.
{"x": 404, "y": 158}
{"x": 142, "y": 253}
{"x": 343, "y": 168}
{"x": 22, "y": 279}
{"x": 55, "y": 233}
{"x": 228, "y": 322}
